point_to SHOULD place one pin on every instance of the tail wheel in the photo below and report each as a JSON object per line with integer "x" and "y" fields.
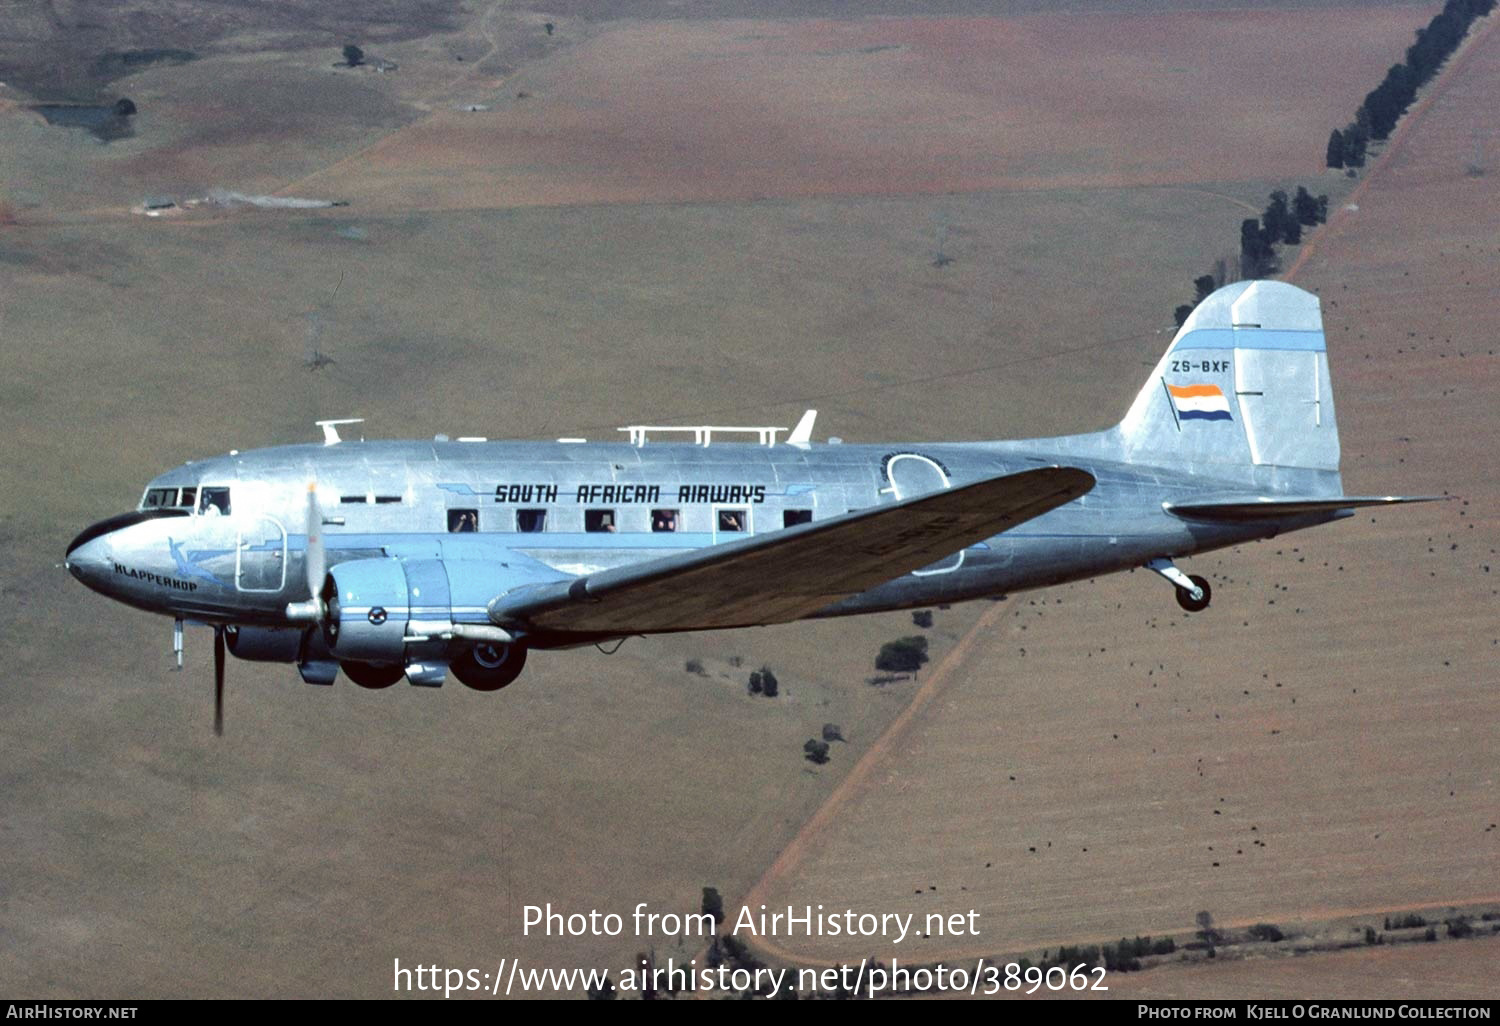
{"x": 489, "y": 667}
{"x": 1185, "y": 598}
{"x": 373, "y": 675}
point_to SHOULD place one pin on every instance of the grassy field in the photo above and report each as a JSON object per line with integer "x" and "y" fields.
{"x": 332, "y": 830}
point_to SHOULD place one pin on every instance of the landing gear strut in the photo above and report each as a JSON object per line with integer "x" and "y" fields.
{"x": 1193, "y": 592}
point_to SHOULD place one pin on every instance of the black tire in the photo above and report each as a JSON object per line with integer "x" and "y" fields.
{"x": 489, "y": 667}
{"x": 1185, "y": 597}
{"x": 373, "y": 675}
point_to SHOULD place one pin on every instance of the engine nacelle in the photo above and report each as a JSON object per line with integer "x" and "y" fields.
{"x": 376, "y": 607}
{"x": 368, "y": 609}
{"x": 265, "y": 644}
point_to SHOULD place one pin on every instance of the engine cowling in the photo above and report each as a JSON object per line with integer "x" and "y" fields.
{"x": 376, "y": 607}
{"x": 368, "y": 608}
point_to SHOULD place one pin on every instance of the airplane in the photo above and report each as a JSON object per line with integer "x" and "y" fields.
{"x": 386, "y": 559}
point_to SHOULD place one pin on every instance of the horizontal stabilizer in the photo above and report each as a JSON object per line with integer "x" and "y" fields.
{"x": 1260, "y": 507}
{"x": 788, "y": 574}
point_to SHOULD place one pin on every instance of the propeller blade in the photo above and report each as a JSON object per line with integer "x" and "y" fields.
{"x": 219, "y": 681}
{"x": 317, "y": 566}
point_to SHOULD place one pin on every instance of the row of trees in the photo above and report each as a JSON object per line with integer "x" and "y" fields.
{"x": 1282, "y": 222}
{"x": 1384, "y": 105}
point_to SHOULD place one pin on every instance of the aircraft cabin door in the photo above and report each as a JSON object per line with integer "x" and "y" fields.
{"x": 260, "y": 557}
{"x": 911, "y": 475}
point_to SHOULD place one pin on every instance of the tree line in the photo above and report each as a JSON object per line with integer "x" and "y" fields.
{"x": 1384, "y": 105}
{"x": 1282, "y": 222}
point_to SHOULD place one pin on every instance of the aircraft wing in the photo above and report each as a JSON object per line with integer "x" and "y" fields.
{"x": 1261, "y": 507}
{"x": 788, "y": 574}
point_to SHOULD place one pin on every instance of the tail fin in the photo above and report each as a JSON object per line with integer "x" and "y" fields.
{"x": 1245, "y": 382}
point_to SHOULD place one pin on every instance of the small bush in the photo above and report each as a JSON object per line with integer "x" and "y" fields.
{"x": 1460, "y": 928}
{"x": 693, "y": 666}
{"x": 1266, "y": 932}
{"x": 816, "y": 751}
{"x": 904, "y": 655}
{"x": 922, "y": 618}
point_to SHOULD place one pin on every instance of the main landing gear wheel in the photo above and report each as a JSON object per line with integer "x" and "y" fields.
{"x": 373, "y": 675}
{"x": 488, "y": 666}
{"x": 1185, "y": 597}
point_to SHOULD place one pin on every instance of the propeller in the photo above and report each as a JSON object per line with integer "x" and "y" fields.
{"x": 219, "y": 680}
{"x": 316, "y": 560}
{"x": 317, "y": 568}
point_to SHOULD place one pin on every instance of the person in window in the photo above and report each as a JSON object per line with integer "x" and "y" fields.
{"x": 463, "y": 521}
{"x": 731, "y": 520}
{"x": 215, "y": 501}
{"x": 663, "y": 520}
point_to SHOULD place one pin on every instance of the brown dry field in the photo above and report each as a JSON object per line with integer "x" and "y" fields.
{"x": 1448, "y": 972}
{"x": 1324, "y": 741}
{"x": 331, "y": 829}
{"x": 721, "y": 110}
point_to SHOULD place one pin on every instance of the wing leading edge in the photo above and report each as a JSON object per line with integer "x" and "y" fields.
{"x": 789, "y": 574}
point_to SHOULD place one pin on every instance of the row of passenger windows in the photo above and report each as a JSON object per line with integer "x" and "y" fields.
{"x": 662, "y": 521}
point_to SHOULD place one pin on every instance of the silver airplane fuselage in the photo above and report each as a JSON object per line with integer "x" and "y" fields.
{"x": 391, "y": 558}
{"x": 599, "y": 504}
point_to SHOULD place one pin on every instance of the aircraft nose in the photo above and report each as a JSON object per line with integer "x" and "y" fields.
{"x": 85, "y": 561}
{"x": 88, "y": 553}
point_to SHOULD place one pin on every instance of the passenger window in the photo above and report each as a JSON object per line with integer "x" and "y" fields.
{"x": 664, "y": 520}
{"x": 189, "y": 496}
{"x": 599, "y": 520}
{"x": 463, "y": 521}
{"x": 531, "y": 521}
{"x": 214, "y": 499}
{"x": 793, "y": 517}
{"x": 732, "y": 519}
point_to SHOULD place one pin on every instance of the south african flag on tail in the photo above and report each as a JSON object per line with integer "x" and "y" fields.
{"x": 1199, "y": 402}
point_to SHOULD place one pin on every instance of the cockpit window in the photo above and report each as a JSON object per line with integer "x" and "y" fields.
{"x": 215, "y": 499}
{"x": 156, "y": 498}
{"x": 189, "y": 496}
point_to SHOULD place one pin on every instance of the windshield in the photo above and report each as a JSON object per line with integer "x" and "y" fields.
{"x": 169, "y": 498}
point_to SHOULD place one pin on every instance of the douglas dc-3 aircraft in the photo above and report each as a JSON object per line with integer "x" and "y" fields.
{"x": 401, "y": 558}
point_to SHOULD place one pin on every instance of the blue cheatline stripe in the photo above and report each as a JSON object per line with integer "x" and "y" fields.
{"x": 1204, "y": 415}
{"x": 1252, "y": 338}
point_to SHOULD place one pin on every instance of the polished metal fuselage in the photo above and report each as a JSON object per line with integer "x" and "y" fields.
{"x": 403, "y": 498}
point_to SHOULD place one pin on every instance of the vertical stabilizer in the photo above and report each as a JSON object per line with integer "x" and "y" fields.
{"x": 1245, "y": 382}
